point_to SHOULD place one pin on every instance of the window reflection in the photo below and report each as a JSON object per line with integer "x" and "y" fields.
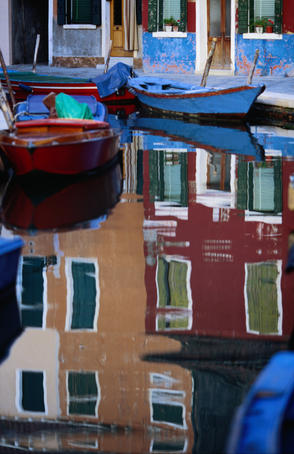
{"x": 82, "y": 294}
{"x": 168, "y": 176}
{"x": 167, "y": 407}
{"x": 263, "y": 297}
{"x": 32, "y": 391}
{"x": 83, "y": 395}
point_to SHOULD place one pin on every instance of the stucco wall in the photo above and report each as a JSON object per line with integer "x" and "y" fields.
{"x": 174, "y": 55}
{"x": 4, "y": 30}
{"x": 276, "y": 56}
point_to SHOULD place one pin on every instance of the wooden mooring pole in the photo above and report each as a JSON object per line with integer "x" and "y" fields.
{"x": 252, "y": 69}
{"x": 208, "y": 63}
{"x": 4, "y": 69}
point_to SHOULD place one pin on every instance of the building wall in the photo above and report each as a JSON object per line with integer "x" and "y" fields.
{"x": 75, "y": 47}
{"x": 5, "y": 30}
{"x": 276, "y": 56}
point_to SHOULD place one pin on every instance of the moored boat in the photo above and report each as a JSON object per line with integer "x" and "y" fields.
{"x": 33, "y": 108}
{"x": 60, "y": 146}
{"x": 110, "y": 88}
{"x": 184, "y": 100}
{"x": 264, "y": 424}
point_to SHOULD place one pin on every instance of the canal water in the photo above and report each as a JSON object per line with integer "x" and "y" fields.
{"x": 149, "y": 296}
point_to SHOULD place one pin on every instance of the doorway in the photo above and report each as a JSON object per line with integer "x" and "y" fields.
{"x": 29, "y": 18}
{"x": 219, "y": 27}
{"x": 117, "y": 29}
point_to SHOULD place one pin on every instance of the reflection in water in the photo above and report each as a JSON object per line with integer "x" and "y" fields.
{"x": 60, "y": 203}
{"x": 144, "y": 335}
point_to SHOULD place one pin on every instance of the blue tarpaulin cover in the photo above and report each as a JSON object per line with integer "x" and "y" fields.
{"x": 113, "y": 80}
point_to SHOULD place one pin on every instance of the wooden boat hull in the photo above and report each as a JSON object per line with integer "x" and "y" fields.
{"x": 43, "y": 85}
{"x": 57, "y": 146}
{"x": 230, "y": 103}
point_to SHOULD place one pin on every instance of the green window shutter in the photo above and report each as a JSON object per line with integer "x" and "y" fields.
{"x": 83, "y": 392}
{"x": 183, "y": 22}
{"x": 168, "y": 414}
{"x": 278, "y": 186}
{"x": 177, "y": 278}
{"x": 84, "y": 295}
{"x": 32, "y": 291}
{"x": 96, "y": 12}
{"x": 32, "y": 391}
{"x": 162, "y": 282}
{"x": 243, "y": 16}
{"x": 152, "y": 15}
{"x": 81, "y": 12}
{"x": 261, "y": 289}
{"x": 61, "y": 12}
{"x": 242, "y": 185}
{"x": 278, "y": 16}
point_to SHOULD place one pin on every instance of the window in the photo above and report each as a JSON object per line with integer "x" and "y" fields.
{"x": 33, "y": 291}
{"x": 32, "y": 391}
{"x": 79, "y": 12}
{"x": 167, "y": 407}
{"x": 263, "y": 297}
{"x": 82, "y": 294}
{"x": 260, "y": 187}
{"x": 174, "y": 300}
{"x": 83, "y": 393}
{"x": 250, "y": 10}
{"x": 168, "y": 177}
{"x": 158, "y": 10}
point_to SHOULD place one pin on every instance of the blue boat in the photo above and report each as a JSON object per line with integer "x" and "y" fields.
{"x": 9, "y": 257}
{"x": 264, "y": 424}
{"x": 175, "y": 98}
{"x": 34, "y": 108}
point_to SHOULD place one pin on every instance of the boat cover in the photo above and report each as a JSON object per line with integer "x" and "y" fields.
{"x": 110, "y": 82}
{"x": 68, "y": 107}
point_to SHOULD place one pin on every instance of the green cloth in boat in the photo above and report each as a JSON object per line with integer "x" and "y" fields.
{"x": 67, "y": 107}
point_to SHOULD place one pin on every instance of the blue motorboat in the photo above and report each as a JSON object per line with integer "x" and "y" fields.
{"x": 264, "y": 424}
{"x": 180, "y": 99}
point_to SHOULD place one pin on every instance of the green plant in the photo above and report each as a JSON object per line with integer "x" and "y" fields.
{"x": 170, "y": 21}
{"x": 260, "y": 22}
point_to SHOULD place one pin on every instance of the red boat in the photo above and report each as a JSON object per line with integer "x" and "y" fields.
{"x": 59, "y": 146}
{"x": 109, "y": 88}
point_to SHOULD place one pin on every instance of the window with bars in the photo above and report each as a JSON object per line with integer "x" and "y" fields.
{"x": 79, "y": 12}
{"x": 250, "y": 10}
{"x": 158, "y": 10}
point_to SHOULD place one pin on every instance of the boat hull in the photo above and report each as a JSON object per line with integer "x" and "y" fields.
{"x": 60, "y": 153}
{"x": 71, "y": 86}
{"x": 234, "y": 102}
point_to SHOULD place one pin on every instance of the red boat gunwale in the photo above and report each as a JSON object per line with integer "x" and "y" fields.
{"x": 63, "y": 122}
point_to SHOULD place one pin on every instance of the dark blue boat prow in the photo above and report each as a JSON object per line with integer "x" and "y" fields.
{"x": 264, "y": 424}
